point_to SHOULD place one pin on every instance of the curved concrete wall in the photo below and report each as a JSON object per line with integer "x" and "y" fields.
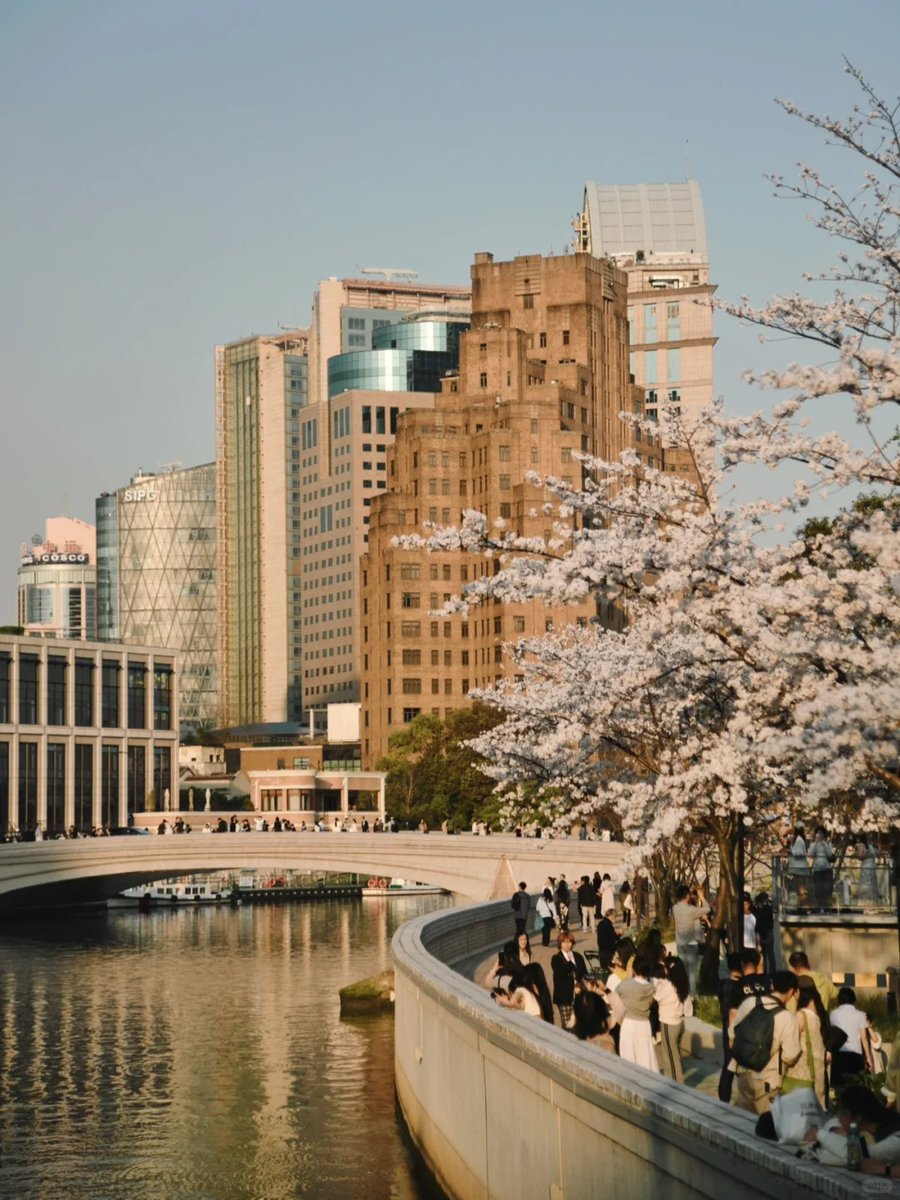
{"x": 504, "y": 1106}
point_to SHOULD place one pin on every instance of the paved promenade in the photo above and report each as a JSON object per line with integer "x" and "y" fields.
{"x": 701, "y": 1066}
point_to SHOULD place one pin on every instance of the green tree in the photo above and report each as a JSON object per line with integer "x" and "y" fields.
{"x": 433, "y": 775}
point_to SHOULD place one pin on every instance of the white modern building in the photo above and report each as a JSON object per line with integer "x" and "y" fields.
{"x": 57, "y": 581}
{"x": 657, "y": 234}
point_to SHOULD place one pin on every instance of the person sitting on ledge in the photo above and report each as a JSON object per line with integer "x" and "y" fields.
{"x": 878, "y": 1125}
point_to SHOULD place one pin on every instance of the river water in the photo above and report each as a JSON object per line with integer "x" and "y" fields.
{"x": 199, "y": 1054}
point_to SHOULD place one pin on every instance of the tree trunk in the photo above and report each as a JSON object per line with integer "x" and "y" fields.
{"x": 724, "y": 920}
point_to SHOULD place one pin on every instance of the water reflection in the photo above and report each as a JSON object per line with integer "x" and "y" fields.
{"x": 198, "y": 1054}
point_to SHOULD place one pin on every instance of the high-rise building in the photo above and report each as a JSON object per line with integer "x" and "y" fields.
{"x": 261, "y": 392}
{"x": 57, "y": 581}
{"x": 347, "y": 313}
{"x": 657, "y": 235}
{"x": 156, "y": 575}
{"x": 543, "y": 376}
{"x": 299, "y": 456}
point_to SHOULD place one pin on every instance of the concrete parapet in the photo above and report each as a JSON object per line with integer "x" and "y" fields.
{"x": 503, "y": 1105}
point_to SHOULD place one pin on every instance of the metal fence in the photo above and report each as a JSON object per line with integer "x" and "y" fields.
{"x": 849, "y": 886}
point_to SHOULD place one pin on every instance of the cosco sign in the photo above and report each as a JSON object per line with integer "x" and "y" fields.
{"x": 134, "y": 494}
{"x": 34, "y": 559}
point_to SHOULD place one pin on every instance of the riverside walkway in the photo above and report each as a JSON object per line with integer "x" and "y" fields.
{"x": 82, "y": 870}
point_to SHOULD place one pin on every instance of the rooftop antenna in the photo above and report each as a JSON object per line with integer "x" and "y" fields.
{"x": 687, "y": 159}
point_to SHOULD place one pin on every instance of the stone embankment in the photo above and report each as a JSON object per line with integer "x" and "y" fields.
{"x": 502, "y": 1105}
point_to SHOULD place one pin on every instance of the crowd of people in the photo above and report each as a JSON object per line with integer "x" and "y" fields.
{"x": 782, "y": 1029}
{"x": 811, "y": 883}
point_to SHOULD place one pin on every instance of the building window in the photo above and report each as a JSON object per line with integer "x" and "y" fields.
{"x": 137, "y": 696}
{"x": 56, "y": 691}
{"x": 410, "y": 570}
{"x": 109, "y": 695}
{"x": 412, "y": 687}
{"x": 649, "y": 322}
{"x": 504, "y": 483}
{"x": 162, "y": 698}
{"x": 29, "y": 667}
{"x": 542, "y": 340}
{"x": 137, "y": 779}
{"x": 410, "y": 600}
{"x": 83, "y": 817}
{"x": 412, "y": 658}
{"x": 409, "y": 714}
{"x": 435, "y": 687}
{"x": 109, "y": 786}
{"x": 482, "y": 379}
{"x": 56, "y": 787}
{"x": 162, "y": 773}
{"x": 565, "y": 337}
{"x": 518, "y": 624}
{"x": 5, "y": 663}
{"x": 504, "y": 453}
{"x": 411, "y": 629}
{"x": 673, "y": 322}
{"x": 28, "y": 764}
{"x": 84, "y": 692}
{"x": 528, "y": 301}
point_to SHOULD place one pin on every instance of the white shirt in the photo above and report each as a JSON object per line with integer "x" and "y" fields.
{"x": 671, "y": 1009}
{"x": 853, "y": 1022}
{"x": 750, "y": 931}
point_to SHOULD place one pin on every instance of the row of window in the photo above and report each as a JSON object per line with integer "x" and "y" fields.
{"x": 20, "y": 810}
{"x": 54, "y": 711}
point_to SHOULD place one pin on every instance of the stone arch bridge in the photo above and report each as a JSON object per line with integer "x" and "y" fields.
{"x": 62, "y": 872}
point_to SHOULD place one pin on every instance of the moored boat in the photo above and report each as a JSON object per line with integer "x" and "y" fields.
{"x": 383, "y": 886}
{"x": 168, "y": 892}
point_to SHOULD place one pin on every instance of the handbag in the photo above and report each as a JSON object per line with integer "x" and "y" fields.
{"x": 834, "y": 1039}
{"x": 788, "y": 1084}
{"x": 538, "y": 923}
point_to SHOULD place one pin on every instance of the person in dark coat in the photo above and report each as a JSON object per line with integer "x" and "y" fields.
{"x": 569, "y": 968}
{"x": 562, "y": 902}
{"x": 587, "y": 902}
{"x": 606, "y": 939}
{"x": 521, "y": 905}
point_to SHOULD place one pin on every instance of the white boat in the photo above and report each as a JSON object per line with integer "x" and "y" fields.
{"x": 168, "y": 892}
{"x": 401, "y": 887}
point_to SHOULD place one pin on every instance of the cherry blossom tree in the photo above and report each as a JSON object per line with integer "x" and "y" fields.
{"x": 750, "y": 680}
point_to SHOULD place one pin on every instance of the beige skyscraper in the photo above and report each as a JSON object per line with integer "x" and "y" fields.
{"x": 656, "y": 233}
{"x": 543, "y": 374}
{"x": 261, "y": 390}
{"x": 303, "y": 422}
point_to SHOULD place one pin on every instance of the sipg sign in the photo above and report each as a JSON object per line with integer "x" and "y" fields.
{"x": 132, "y": 495}
{"x": 31, "y": 560}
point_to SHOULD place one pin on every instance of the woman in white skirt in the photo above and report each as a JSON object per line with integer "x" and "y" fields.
{"x": 636, "y": 1037}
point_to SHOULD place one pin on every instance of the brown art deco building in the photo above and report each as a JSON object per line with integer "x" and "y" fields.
{"x": 544, "y": 373}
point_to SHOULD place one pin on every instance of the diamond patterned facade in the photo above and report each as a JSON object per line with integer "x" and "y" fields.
{"x": 156, "y": 575}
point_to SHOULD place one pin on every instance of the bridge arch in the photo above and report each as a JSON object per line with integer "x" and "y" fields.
{"x": 475, "y": 868}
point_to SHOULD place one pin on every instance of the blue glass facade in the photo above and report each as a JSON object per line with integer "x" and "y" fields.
{"x": 410, "y": 356}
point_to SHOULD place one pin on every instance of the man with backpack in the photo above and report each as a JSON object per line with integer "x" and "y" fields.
{"x": 765, "y": 1041}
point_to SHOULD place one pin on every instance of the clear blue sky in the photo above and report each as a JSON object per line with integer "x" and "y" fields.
{"x": 179, "y": 173}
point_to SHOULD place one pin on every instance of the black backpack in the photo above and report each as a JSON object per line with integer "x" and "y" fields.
{"x": 753, "y": 1037}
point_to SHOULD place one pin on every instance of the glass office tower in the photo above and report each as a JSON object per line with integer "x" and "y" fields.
{"x": 409, "y": 356}
{"x": 156, "y": 551}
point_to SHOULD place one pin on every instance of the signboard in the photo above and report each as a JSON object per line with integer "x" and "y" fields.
{"x": 30, "y": 560}
{"x": 134, "y": 494}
